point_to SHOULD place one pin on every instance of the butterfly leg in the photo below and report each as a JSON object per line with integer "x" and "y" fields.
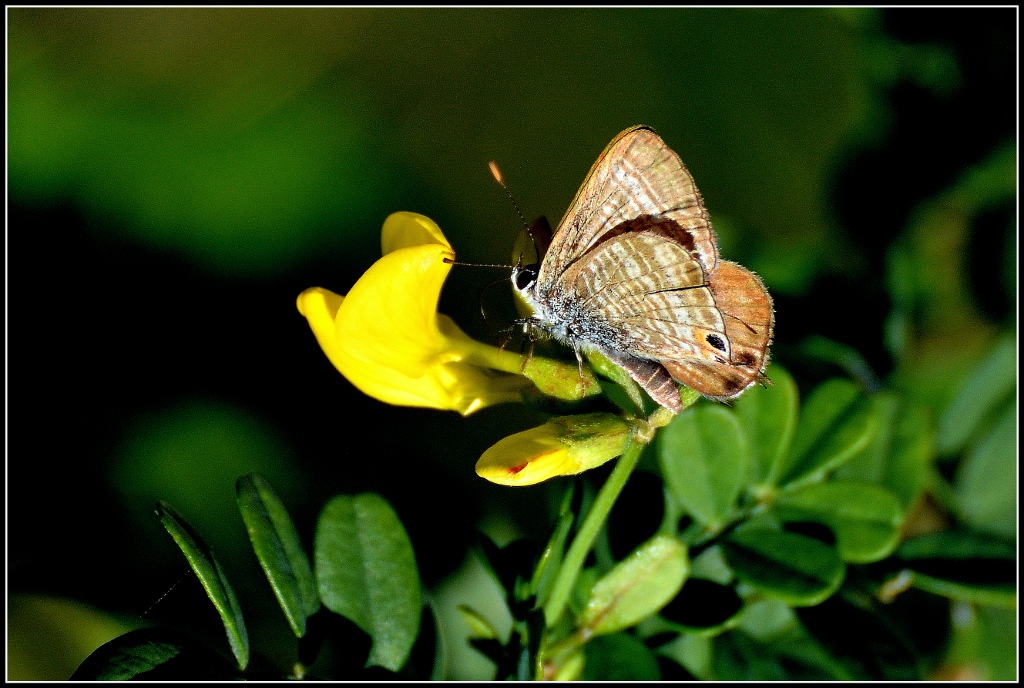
{"x": 579, "y": 364}
{"x": 527, "y": 342}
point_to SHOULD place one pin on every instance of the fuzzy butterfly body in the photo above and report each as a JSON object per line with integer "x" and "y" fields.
{"x": 633, "y": 272}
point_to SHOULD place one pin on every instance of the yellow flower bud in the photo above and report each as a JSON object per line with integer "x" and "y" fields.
{"x": 563, "y": 446}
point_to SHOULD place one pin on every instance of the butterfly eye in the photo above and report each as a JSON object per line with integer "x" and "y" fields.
{"x": 716, "y": 341}
{"x": 525, "y": 277}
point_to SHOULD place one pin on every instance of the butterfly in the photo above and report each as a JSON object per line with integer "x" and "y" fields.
{"x": 633, "y": 272}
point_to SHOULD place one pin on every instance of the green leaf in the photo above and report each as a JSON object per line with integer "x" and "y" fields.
{"x": 585, "y": 582}
{"x": 963, "y": 565}
{"x": 988, "y": 385}
{"x": 836, "y": 423}
{"x": 153, "y": 654}
{"x": 769, "y": 417}
{"x": 806, "y": 659}
{"x": 997, "y": 646}
{"x": 279, "y": 550}
{"x": 794, "y": 656}
{"x": 367, "y": 573}
{"x": 851, "y": 361}
{"x": 957, "y": 544}
{"x": 211, "y": 575}
{"x": 899, "y": 457}
{"x": 637, "y": 587}
{"x": 865, "y": 518}
{"x": 704, "y": 456}
{"x": 620, "y": 657}
{"x": 1004, "y": 597}
{"x": 986, "y": 482}
{"x": 793, "y": 568}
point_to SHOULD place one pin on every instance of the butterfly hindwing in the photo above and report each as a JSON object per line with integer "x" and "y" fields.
{"x": 749, "y": 320}
{"x": 649, "y": 294}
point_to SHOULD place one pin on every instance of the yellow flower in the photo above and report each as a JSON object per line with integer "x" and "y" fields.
{"x": 562, "y": 446}
{"x": 388, "y": 339}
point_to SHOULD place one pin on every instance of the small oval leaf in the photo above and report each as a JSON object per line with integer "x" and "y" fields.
{"x": 835, "y": 423}
{"x": 211, "y": 575}
{"x": 793, "y": 568}
{"x": 704, "y": 456}
{"x": 768, "y": 415}
{"x": 986, "y": 487}
{"x": 637, "y": 587}
{"x": 279, "y": 550}
{"x": 900, "y": 454}
{"x": 981, "y": 394}
{"x": 865, "y": 518}
{"x": 479, "y": 627}
{"x": 366, "y": 572}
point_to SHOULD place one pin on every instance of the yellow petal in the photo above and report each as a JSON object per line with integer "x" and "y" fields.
{"x": 389, "y": 318}
{"x": 404, "y": 229}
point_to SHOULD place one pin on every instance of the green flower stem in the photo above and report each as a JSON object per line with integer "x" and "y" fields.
{"x": 588, "y": 532}
{"x": 644, "y": 432}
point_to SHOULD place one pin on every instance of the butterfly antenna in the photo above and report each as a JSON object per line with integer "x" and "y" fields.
{"x": 500, "y": 178}
{"x": 541, "y": 225}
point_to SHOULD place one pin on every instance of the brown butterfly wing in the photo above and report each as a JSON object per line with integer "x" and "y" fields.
{"x": 642, "y": 298}
{"x": 644, "y": 293}
{"x": 749, "y": 320}
{"x": 636, "y": 176}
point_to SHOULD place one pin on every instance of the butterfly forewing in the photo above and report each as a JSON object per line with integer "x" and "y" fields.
{"x": 637, "y": 176}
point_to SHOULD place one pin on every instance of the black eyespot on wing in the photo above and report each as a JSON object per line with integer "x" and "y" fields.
{"x": 524, "y": 277}
{"x": 716, "y": 341}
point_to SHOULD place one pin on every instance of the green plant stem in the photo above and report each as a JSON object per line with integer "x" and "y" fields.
{"x": 589, "y": 530}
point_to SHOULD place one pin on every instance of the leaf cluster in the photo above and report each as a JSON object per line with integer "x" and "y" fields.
{"x": 357, "y": 611}
{"x": 784, "y": 549}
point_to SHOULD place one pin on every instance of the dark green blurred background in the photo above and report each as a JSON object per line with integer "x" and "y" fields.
{"x": 177, "y": 176}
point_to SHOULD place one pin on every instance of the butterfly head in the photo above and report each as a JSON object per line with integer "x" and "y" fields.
{"x": 524, "y": 279}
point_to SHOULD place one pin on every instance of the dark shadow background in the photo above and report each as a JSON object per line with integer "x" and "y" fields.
{"x": 176, "y": 177}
